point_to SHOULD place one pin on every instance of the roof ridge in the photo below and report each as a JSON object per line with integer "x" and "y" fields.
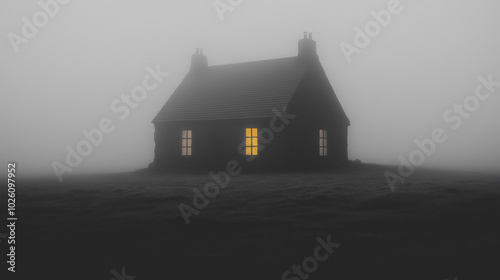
{"x": 255, "y": 61}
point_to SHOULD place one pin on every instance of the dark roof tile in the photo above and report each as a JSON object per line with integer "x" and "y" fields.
{"x": 235, "y": 91}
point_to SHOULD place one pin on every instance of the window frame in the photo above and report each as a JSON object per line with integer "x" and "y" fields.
{"x": 251, "y": 141}
{"x": 323, "y": 143}
{"x": 187, "y": 142}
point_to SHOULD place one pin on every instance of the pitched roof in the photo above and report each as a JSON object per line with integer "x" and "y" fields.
{"x": 234, "y": 91}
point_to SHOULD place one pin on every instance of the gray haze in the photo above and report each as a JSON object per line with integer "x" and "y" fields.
{"x": 395, "y": 91}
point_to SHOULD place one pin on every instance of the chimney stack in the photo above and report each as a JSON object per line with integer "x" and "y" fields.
{"x": 198, "y": 60}
{"x": 307, "y": 48}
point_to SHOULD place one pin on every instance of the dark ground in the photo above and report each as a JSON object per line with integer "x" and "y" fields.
{"x": 439, "y": 225}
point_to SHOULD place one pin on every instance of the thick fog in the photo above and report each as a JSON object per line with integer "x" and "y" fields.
{"x": 61, "y": 74}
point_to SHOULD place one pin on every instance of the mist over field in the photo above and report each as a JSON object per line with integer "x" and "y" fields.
{"x": 399, "y": 88}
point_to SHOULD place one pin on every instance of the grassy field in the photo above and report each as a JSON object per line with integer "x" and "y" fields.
{"x": 438, "y": 225}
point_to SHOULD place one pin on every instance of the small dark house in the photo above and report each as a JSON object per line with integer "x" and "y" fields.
{"x": 270, "y": 115}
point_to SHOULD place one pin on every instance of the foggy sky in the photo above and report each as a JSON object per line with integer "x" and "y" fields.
{"x": 395, "y": 91}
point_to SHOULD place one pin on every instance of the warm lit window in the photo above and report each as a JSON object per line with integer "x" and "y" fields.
{"x": 323, "y": 143}
{"x": 251, "y": 142}
{"x": 186, "y": 142}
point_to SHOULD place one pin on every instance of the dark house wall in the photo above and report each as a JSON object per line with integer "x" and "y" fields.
{"x": 214, "y": 144}
{"x": 317, "y": 108}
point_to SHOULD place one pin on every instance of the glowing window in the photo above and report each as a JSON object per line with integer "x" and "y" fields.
{"x": 323, "y": 143}
{"x": 186, "y": 142}
{"x": 252, "y": 142}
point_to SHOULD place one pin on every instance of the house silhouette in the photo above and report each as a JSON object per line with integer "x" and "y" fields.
{"x": 271, "y": 115}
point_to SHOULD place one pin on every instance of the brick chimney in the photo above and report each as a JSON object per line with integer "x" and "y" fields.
{"x": 198, "y": 60}
{"x": 307, "y": 48}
